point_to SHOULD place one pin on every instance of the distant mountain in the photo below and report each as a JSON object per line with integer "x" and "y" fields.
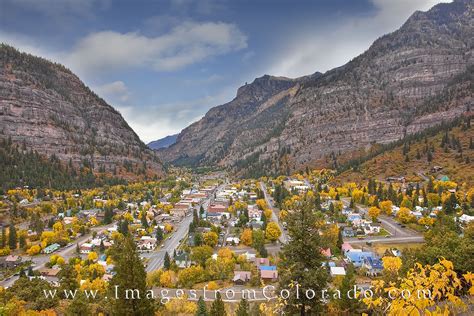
{"x": 44, "y": 107}
{"x": 407, "y": 81}
{"x": 163, "y": 142}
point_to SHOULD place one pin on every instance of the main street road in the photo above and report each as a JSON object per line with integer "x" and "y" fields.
{"x": 169, "y": 245}
{"x": 275, "y": 213}
{"x": 156, "y": 258}
{"x": 67, "y": 252}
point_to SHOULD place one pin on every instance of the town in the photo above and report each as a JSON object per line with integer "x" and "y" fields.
{"x": 208, "y": 232}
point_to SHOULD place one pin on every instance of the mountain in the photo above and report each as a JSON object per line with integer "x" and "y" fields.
{"x": 46, "y": 108}
{"x": 164, "y": 142}
{"x": 407, "y": 81}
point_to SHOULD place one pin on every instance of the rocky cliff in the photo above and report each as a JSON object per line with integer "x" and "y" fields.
{"x": 46, "y": 108}
{"x": 411, "y": 79}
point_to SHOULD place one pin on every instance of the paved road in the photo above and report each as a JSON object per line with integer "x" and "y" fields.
{"x": 383, "y": 240}
{"x": 275, "y": 212}
{"x": 156, "y": 258}
{"x": 387, "y": 222}
{"x": 65, "y": 252}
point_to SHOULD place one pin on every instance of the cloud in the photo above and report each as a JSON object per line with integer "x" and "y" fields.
{"x": 185, "y": 44}
{"x": 154, "y": 122}
{"x": 54, "y": 8}
{"x": 116, "y": 90}
{"x": 335, "y": 44}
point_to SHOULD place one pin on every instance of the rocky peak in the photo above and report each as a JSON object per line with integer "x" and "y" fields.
{"x": 264, "y": 86}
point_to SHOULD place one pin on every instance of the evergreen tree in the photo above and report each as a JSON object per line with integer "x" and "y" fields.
{"x": 108, "y": 216}
{"x": 217, "y": 307}
{"x": 12, "y": 240}
{"x": 22, "y": 241}
{"x": 202, "y": 309}
{"x": 449, "y": 206}
{"x": 4, "y": 237}
{"x": 79, "y": 306}
{"x": 68, "y": 279}
{"x": 167, "y": 261}
{"x": 243, "y": 309}
{"x": 346, "y": 305}
{"x": 430, "y": 187}
{"x": 101, "y": 247}
{"x": 129, "y": 274}
{"x": 340, "y": 240}
{"x": 159, "y": 234}
{"x": 196, "y": 218}
{"x": 301, "y": 260}
{"x": 144, "y": 220}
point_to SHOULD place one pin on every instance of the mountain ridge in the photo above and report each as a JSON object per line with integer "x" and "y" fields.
{"x": 47, "y": 108}
{"x": 377, "y": 97}
{"x": 163, "y": 142}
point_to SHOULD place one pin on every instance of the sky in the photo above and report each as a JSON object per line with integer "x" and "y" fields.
{"x": 163, "y": 64}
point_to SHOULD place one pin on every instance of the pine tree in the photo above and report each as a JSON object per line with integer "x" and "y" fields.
{"x": 130, "y": 274}
{"x": 346, "y": 305}
{"x": 202, "y": 309}
{"x": 301, "y": 260}
{"x": 12, "y": 240}
{"x": 340, "y": 240}
{"x": 68, "y": 279}
{"x": 167, "y": 261}
{"x": 196, "y": 218}
{"x": 4, "y": 237}
{"x": 217, "y": 307}
{"x": 79, "y": 306}
{"x": 22, "y": 241}
{"x": 144, "y": 220}
{"x": 159, "y": 234}
{"x": 243, "y": 309}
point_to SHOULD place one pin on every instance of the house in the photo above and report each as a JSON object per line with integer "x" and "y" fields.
{"x": 107, "y": 277}
{"x": 354, "y": 217}
{"x": 249, "y": 256}
{"x": 395, "y": 179}
{"x": 348, "y": 232}
{"x": 241, "y": 277}
{"x": 86, "y": 247}
{"x": 254, "y": 212}
{"x": 51, "y": 248}
{"x": 466, "y": 219}
{"x": 232, "y": 240}
{"x": 436, "y": 168}
{"x": 146, "y": 243}
{"x": 49, "y": 272}
{"x": 268, "y": 273}
{"x": 357, "y": 256}
{"x": 216, "y": 209}
{"x": 337, "y": 271}
{"x": 326, "y": 252}
{"x": 182, "y": 260}
{"x": 262, "y": 262}
{"x": 371, "y": 229}
{"x": 12, "y": 261}
{"x": 345, "y": 247}
{"x": 373, "y": 265}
